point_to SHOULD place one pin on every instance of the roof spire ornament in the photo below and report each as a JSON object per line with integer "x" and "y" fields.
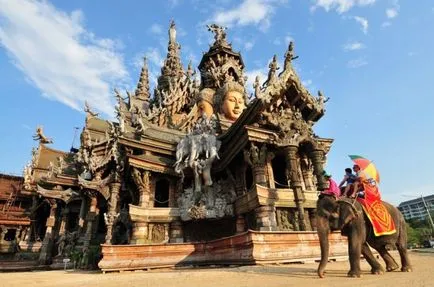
{"x": 172, "y": 69}
{"x": 219, "y": 35}
{"x": 172, "y": 33}
{"x": 289, "y": 56}
{"x": 88, "y": 110}
{"x": 272, "y": 72}
{"x": 142, "y": 90}
{"x": 39, "y": 136}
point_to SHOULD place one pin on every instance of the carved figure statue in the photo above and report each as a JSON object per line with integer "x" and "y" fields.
{"x": 88, "y": 110}
{"x": 27, "y": 175}
{"x": 230, "y": 100}
{"x": 190, "y": 71}
{"x": 172, "y": 33}
{"x": 272, "y": 72}
{"x": 205, "y": 102}
{"x": 66, "y": 243}
{"x": 61, "y": 243}
{"x": 39, "y": 136}
{"x": 289, "y": 56}
{"x": 137, "y": 119}
{"x": 321, "y": 100}
{"x": 257, "y": 87}
{"x": 219, "y": 34}
{"x": 198, "y": 150}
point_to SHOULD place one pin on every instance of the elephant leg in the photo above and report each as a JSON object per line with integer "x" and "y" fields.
{"x": 402, "y": 249}
{"x": 376, "y": 267}
{"x": 354, "y": 252}
{"x": 391, "y": 264}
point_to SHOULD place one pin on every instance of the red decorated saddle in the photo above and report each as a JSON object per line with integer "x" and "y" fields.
{"x": 375, "y": 210}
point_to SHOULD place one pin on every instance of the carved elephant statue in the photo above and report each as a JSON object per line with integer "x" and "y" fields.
{"x": 347, "y": 215}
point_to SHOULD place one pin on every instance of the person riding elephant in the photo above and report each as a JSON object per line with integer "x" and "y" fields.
{"x": 347, "y": 215}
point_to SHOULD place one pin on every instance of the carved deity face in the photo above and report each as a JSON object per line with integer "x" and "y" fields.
{"x": 205, "y": 108}
{"x": 233, "y": 105}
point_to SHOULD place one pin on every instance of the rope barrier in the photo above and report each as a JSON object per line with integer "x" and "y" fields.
{"x": 284, "y": 185}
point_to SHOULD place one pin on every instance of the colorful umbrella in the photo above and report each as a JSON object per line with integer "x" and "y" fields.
{"x": 366, "y": 166}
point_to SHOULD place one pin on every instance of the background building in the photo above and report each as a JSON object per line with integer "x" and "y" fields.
{"x": 417, "y": 208}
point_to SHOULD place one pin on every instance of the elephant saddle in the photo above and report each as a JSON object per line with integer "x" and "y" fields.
{"x": 375, "y": 210}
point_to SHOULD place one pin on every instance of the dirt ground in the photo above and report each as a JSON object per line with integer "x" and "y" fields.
{"x": 261, "y": 276}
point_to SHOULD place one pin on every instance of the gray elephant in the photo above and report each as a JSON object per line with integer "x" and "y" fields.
{"x": 347, "y": 215}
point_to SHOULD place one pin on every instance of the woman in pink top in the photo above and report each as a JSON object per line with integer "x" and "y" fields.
{"x": 333, "y": 186}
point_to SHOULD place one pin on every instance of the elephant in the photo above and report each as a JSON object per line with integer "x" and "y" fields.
{"x": 347, "y": 215}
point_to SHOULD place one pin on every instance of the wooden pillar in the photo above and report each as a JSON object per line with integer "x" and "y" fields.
{"x": 64, "y": 219}
{"x": 82, "y": 215}
{"x": 145, "y": 189}
{"x": 46, "y": 253}
{"x": 318, "y": 158}
{"x": 90, "y": 219}
{"x": 292, "y": 171}
{"x": 112, "y": 211}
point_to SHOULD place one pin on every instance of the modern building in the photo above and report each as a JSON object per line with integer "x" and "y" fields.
{"x": 417, "y": 208}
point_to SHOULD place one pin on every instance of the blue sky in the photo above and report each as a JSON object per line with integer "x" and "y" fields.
{"x": 371, "y": 57}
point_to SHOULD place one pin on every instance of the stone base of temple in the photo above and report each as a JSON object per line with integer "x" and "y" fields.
{"x": 251, "y": 247}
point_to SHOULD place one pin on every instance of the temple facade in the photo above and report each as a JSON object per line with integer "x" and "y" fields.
{"x": 197, "y": 159}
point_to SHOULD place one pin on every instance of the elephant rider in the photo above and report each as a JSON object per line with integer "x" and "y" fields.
{"x": 333, "y": 188}
{"x": 364, "y": 184}
{"x": 349, "y": 179}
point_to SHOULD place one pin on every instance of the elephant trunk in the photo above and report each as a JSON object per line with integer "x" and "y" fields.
{"x": 323, "y": 230}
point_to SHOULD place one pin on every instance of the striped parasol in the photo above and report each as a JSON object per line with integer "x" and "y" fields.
{"x": 366, "y": 166}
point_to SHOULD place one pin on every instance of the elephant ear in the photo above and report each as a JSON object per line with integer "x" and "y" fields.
{"x": 327, "y": 207}
{"x": 346, "y": 213}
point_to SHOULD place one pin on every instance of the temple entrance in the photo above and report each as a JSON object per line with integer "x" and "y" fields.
{"x": 41, "y": 215}
{"x": 162, "y": 188}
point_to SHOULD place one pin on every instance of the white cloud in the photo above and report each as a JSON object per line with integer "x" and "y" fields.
{"x": 307, "y": 83}
{"x": 363, "y": 22}
{"x": 26, "y": 127}
{"x": 278, "y": 41}
{"x": 386, "y": 24}
{"x": 391, "y": 13}
{"x": 341, "y": 6}
{"x": 173, "y": 3}
{"x": 156, "y": 29}
{"x": 248, "y": 45}
{"x": 356, "y": 63}
{"x": 352, "y": 46}
{"x": 256, "y": 12}
{"x": 54, "y": 50}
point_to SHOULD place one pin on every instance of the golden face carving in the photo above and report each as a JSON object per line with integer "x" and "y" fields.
{"x": 205, "y": 108}
{"x": 233, "y": 105}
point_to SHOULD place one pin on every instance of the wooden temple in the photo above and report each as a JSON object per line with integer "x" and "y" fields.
{"x": 194, "y": 166}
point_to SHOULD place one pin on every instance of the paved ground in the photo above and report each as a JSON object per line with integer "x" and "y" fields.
{"x": 303, "y": 275}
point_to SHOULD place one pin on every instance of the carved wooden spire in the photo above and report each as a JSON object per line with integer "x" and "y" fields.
{"x": 172, "y": 69}
{"x": 142, "y": 90}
